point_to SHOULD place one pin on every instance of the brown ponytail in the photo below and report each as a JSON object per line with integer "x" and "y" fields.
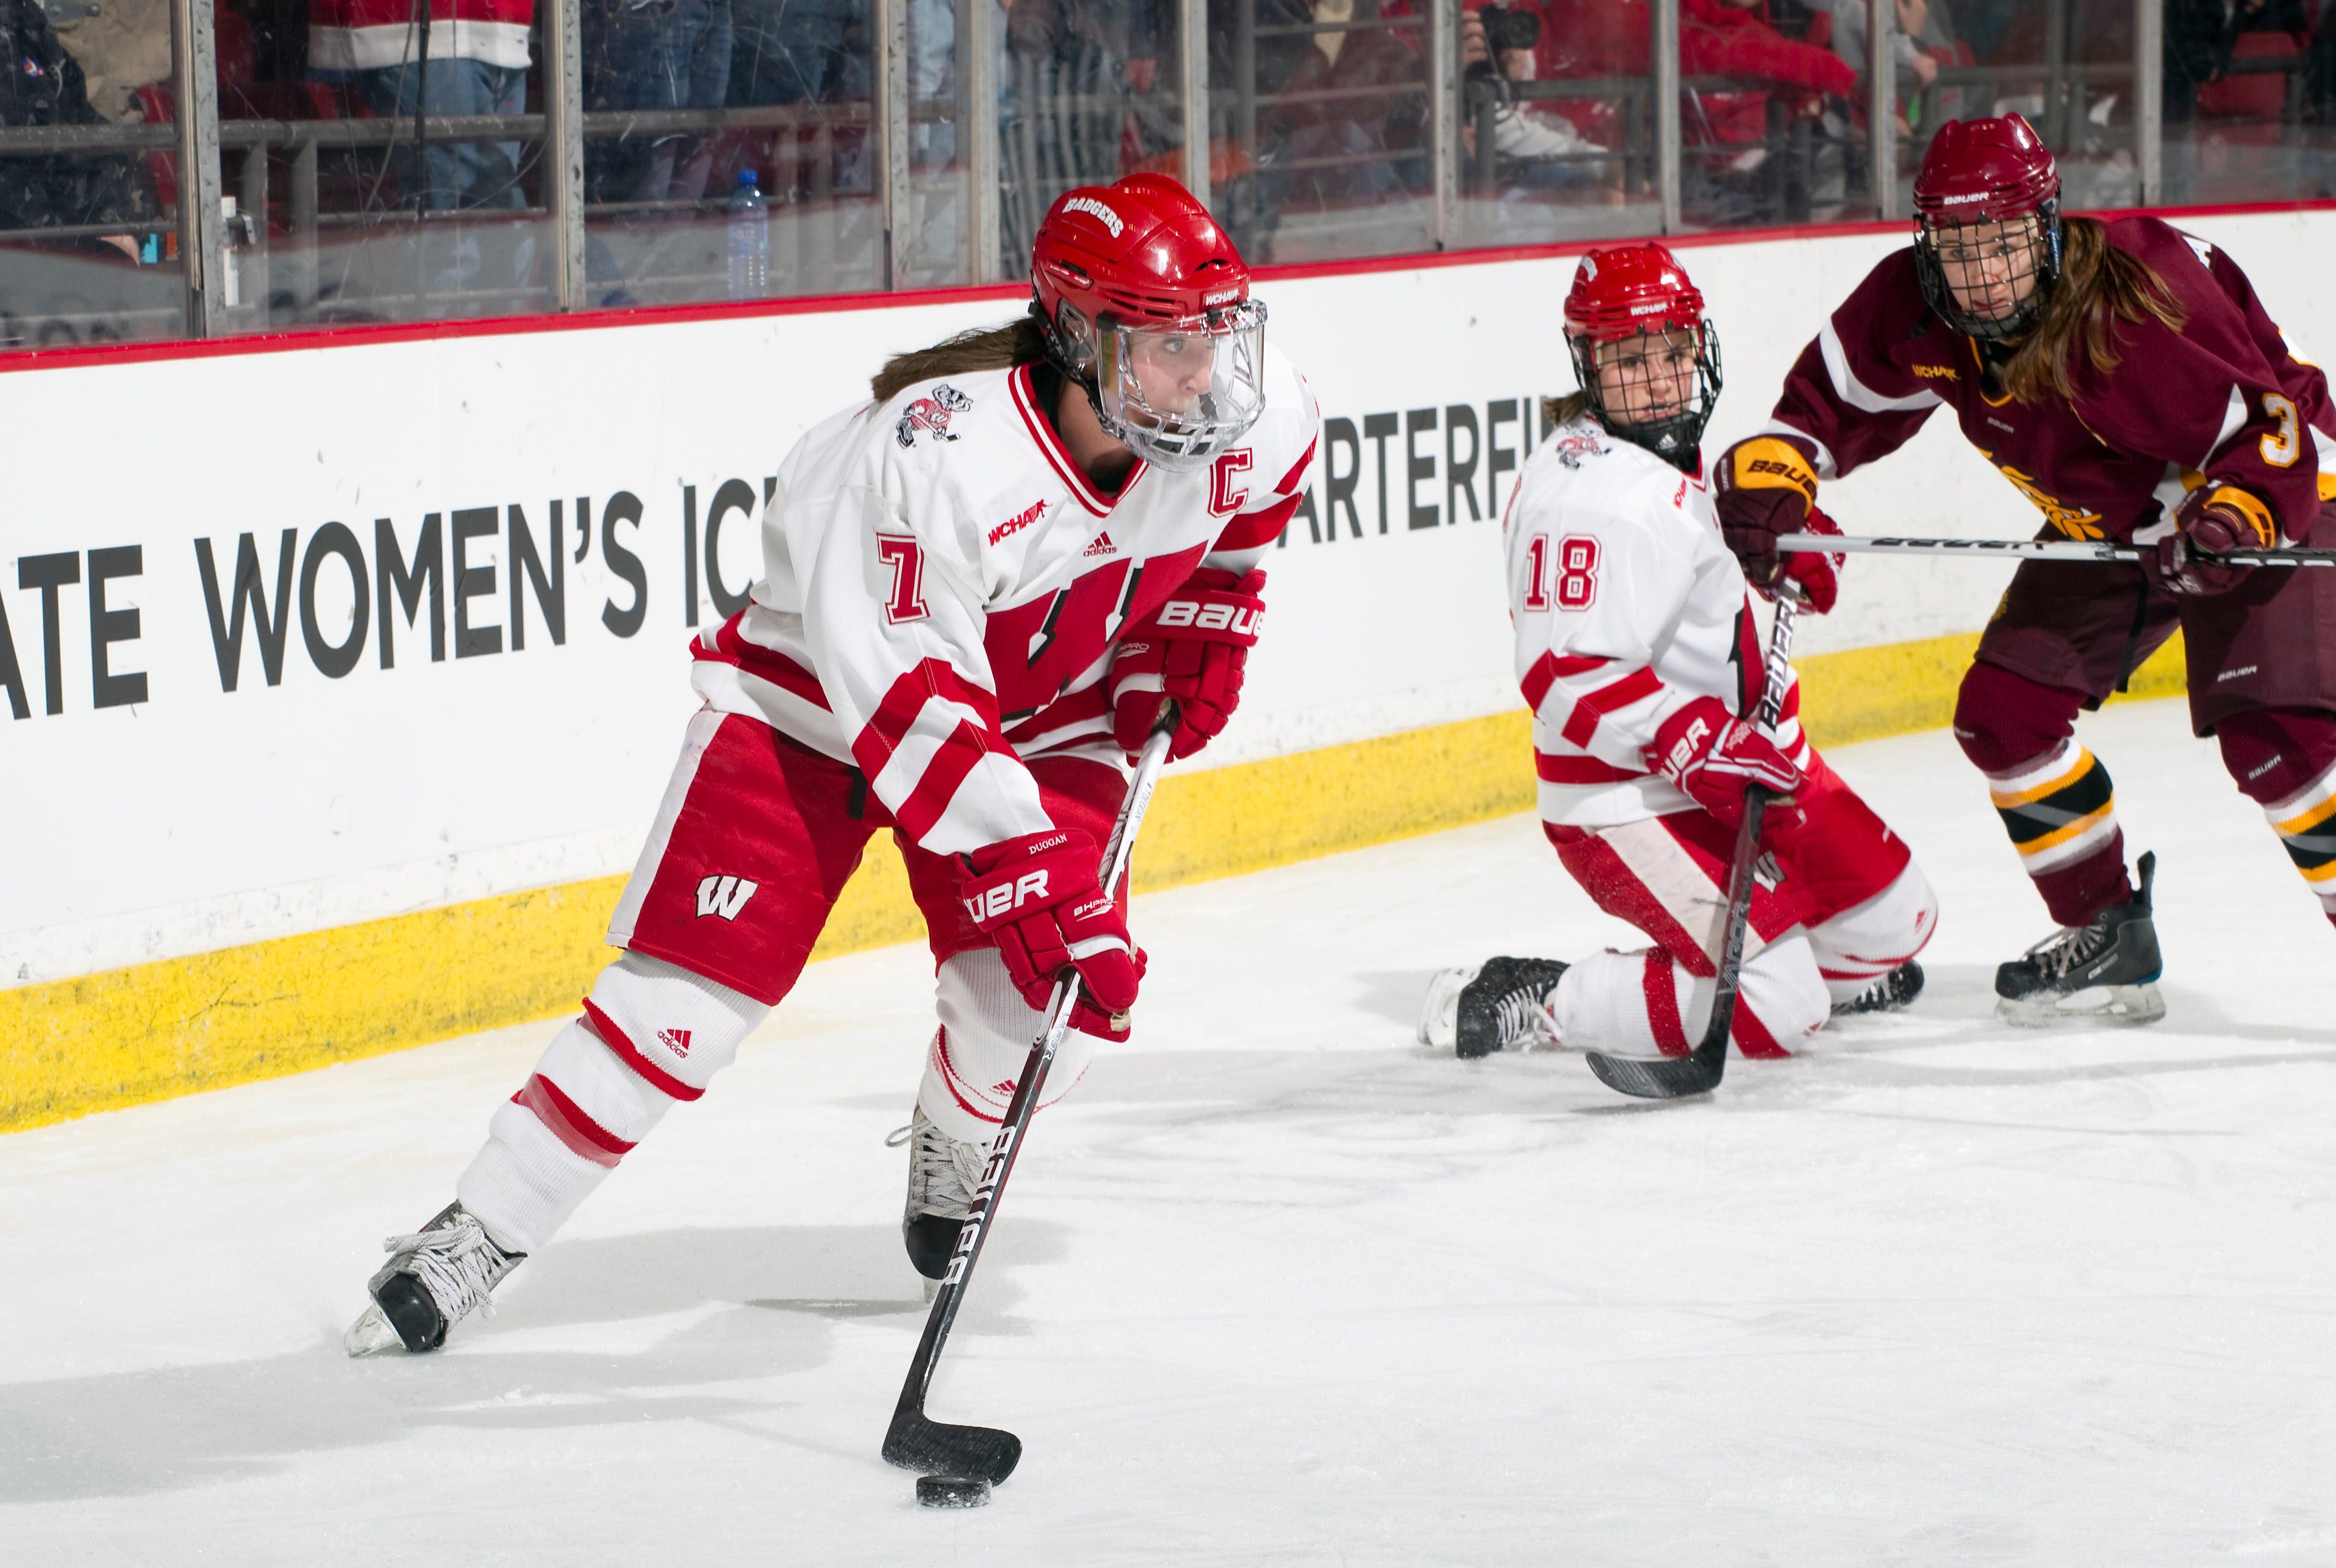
{"x": 1019, "y": 342}
{"x": 2099, "y": 287}
{"x": 1557, "y": 411}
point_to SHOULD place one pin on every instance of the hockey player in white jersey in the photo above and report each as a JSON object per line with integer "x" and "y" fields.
{"x": 1637, "y": 652}
{"x": 978, "y": 587}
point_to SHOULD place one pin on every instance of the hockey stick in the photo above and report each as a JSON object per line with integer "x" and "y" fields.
{"x": 2034, "y": 549}
{"x": 1699, "y": 1072}
{"x": 915, "y": 1441}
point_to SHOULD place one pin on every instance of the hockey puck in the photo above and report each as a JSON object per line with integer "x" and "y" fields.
{"x": 953, "y": 1491}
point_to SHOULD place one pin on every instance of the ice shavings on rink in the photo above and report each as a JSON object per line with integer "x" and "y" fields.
{"x": 1276, "y": 1286}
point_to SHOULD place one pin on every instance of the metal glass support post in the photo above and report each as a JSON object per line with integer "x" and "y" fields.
{"x": 1443, "y": 116}
{"x": 1881, "y": 105}
{"x": 2056, "y": 83}
{"x": 202, "y": 236}
{"x": 2149, "y": 98}
{"x": 891, "y": 83}
{"x": 1195, "y": 35}
{"x": 564, "y": 150}
{"x": 1667, "y": 111}
{"x": 980, "y": 38}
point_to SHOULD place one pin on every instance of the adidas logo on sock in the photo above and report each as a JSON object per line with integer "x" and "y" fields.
{"x": 674, "y": 1040}
{"x": 1101, "y": 546}
{"x": 1006, "y": 1088}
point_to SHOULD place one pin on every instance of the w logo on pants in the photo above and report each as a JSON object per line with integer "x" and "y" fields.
{"x": 723, "y": 896}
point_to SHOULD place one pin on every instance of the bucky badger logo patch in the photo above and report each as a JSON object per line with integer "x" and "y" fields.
{"x": 932, "y": 414}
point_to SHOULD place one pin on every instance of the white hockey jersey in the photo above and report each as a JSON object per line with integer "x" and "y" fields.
{"x": 943, "y": 586}
{"x": 1627, "y": 607}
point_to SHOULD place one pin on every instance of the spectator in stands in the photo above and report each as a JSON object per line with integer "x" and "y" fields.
{"x": 1906, "y": 50}
{"x": 653, "y": 55}
{"x": 1519, "y": 132}
{"x": 471, "y": 58}
{"x": 44, "y": 86}
{"x": 1373, "y": 136}
{"x": 799, "y": 51}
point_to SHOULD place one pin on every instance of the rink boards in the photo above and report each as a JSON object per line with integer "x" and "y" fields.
{"x": 349, "y": 684}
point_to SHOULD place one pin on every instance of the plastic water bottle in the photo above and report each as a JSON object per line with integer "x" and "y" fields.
{"x": 750, "y": 240}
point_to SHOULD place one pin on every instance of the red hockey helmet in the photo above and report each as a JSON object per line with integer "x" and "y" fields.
{"x": 1146, "y": 302}
{"x": 1634, "y": 291}
{"x": 1987, "y": 202}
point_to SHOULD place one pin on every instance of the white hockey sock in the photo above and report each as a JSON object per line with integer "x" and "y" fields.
{"x": 652, "y": 1034}
{"x": 977, "y": 1055}
{"x": 1860, "y": 944}
{"x": 1641, "y": 1003}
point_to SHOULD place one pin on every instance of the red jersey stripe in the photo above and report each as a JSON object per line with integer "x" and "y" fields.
{"x": 755, "y": 660}
{"x": 938, "y": 785}
{"x": 1297, "y": 471}
{"x": 1254, "y": 529}
{"x": 1549, "y": 668}
{"x": 1581, "y": 770}
{"x": 1582, "y": 724}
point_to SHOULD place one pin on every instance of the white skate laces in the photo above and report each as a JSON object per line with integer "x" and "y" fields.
{"x": 457, "y": 1264}
{"x": 942, "y": 1170}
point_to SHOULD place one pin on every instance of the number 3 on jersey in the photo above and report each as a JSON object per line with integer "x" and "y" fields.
{"x": 907, "y": 560}
{"x": 1577, "y": 571}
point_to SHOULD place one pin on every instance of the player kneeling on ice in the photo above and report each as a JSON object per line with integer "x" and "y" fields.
{"x": 979, "y": 589}
{"x": 1637, "y": 651}
{"x": 2126, "y": 378}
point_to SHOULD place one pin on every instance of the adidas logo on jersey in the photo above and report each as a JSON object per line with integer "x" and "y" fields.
{"x": 1101, "y": 546}
{"x": 1017, "y": 522}
{"x": 723, "y": 896}
{"x": 674, "y": 1040}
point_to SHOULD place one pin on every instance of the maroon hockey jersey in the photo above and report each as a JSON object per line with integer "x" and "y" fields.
{"x": 2223, "y": 400}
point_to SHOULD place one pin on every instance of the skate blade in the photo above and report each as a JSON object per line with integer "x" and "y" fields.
{"x": 371, "y": 1335}
{"x": 1439, "y": 1016}
{"x": 2117, "y": 1007}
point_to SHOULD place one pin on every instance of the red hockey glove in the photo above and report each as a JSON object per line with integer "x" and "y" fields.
{"x": 1711, "y": 755}
{"x": 1191, "y": 649}
{"x": 2215, "y": 519}
{"x": 1816, "y": 576}
{"x": 1039, "y": 897}
{"x": 1764, "y": 487}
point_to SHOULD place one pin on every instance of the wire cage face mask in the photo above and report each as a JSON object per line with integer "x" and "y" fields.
{"x": 1991, "y": 259}
{"x": 1179, "y": 394}
{"x": 1649, "y": 381}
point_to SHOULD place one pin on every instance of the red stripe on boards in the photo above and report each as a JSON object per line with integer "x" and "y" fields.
{"x": 621, "y": 1047}
{"x": 584, "y": 1138}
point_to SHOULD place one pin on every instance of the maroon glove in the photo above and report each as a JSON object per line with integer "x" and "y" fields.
{"x": 1711, "y": 755}
{"x": 2217, "y": 519}
{"x": 1763, "y": 487}
{"x": 1039, "y": 897}
{"x": 1191, "y": 649}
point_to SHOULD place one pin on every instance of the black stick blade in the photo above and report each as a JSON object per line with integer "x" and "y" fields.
{"x": 917, "y": 1442}
{"x": 1665, "y": 1078}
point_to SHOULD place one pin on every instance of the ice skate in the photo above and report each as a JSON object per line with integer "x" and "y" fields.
{"x": 2101, "y": 971}
{"x": 942, "y": 1174}
{"x": 1495, "y": 1006}
{"x": 1887, "y": 994}
{"x": 432, "y": 1281}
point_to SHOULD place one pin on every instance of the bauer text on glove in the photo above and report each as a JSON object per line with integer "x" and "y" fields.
{"x": 1038, "y": 896}
{"x": 1764, "y": 487}
{"x": 1713, "y": 755}
{"x": 1192, "y": 650}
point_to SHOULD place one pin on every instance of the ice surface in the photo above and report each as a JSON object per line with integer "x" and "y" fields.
{"x": 1276, "y": 1286}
